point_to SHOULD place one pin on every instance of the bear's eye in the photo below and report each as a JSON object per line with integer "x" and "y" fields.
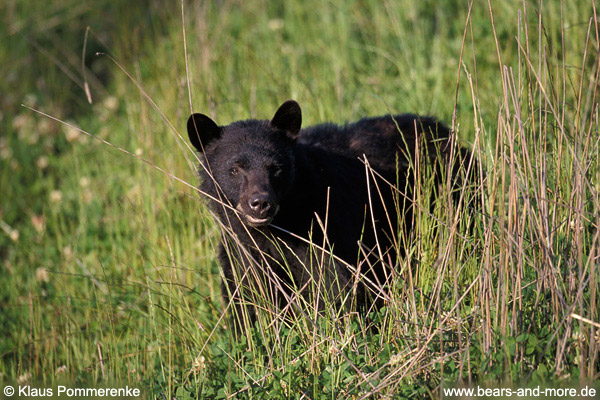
{"x": 234, "y": 171}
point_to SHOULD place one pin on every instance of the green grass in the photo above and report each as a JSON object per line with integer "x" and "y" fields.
{"x": 108, "y": 270}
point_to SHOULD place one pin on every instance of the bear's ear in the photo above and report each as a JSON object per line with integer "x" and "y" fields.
{"x": 288, "y": 118}
{"x": 202, "y": 130}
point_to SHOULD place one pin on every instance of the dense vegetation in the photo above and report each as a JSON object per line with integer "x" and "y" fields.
{"x": 108, "y": 271}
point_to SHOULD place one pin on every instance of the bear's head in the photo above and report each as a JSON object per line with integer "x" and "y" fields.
{"x": 252, "y": 162}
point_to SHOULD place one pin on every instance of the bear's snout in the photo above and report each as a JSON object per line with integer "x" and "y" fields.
{"x": 260, "y": 203}
{"x": 258, "y": 209}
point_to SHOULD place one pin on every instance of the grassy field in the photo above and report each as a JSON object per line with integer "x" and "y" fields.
{"x": 108, "y": 273}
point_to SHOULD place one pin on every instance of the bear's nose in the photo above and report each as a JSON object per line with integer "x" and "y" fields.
{"x": 260, "y": 203}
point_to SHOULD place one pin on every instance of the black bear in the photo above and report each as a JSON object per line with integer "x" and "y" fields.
{"x": 317, "y": 212}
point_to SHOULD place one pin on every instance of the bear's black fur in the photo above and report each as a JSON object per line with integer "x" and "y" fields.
{"x": 274, "y": 188}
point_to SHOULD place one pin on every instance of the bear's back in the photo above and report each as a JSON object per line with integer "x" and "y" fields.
{"x": 385, "y": 140}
